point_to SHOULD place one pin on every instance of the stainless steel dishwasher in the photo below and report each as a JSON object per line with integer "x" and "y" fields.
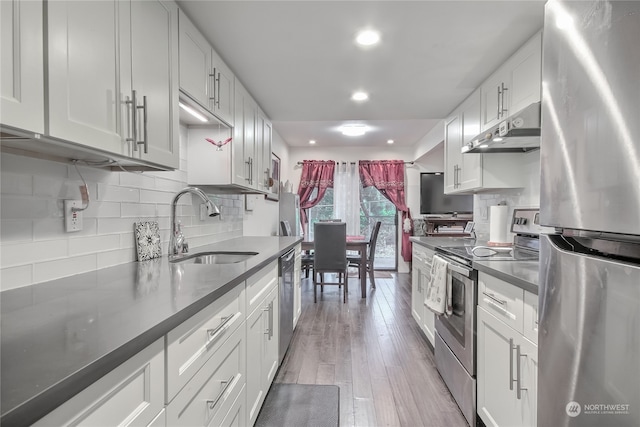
{"x": 287, "y": 263}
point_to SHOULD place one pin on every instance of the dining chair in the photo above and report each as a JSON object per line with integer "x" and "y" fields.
{"x": 355, "y": 260}
{"x": 306, "y": 258}
{"x": 330, "y": 255}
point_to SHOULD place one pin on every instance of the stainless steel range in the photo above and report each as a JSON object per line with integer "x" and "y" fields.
{"x": 455, "y": 345}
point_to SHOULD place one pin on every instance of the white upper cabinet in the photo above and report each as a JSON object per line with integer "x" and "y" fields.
{"x": 244, "y": 138}
{"x": 154, "y": 77}
{"x": 99, "y": 61}
{"x": 21, "y": 72}
{"x": 263, "y": 151}
{"x": 203, "y": 74}
{"x": 515, "y": 85}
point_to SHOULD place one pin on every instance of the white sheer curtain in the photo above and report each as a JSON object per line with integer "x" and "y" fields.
{"x": 346, "y": 196}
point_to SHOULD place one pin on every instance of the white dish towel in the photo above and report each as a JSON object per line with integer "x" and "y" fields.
{"x": 438, "y": 298}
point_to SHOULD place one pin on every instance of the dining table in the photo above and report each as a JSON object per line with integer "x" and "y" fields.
{"x": 354, "y": 243}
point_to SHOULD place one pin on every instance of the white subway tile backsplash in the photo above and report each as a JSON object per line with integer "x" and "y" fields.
{"x": 35, "y": 246}
{"x": 49, "y": 270}
{"x": 13, "y": 183}
{"x": 86, "y": 245}
{"x": 111, "y": 193}
{"x": 138, "y": 210}
{"x": 16, "y": 230}
{"x": 16, "y": 277}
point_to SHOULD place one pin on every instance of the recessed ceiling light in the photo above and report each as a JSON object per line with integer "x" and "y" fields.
{"x": 390, "y": 141}
{"x": 360, "y": 96}
{"x": 353, "y": 130}
{"x": 193, "y": 112}
{"x": 484, "y": 146}
{"x": 312, "y": 141}
{"x": 368, "y": 37}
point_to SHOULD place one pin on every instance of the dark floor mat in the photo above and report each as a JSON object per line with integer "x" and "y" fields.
{"x": 298, "y": 405}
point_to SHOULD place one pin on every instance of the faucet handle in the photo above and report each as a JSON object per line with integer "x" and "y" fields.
{"x": 185, "y": 247}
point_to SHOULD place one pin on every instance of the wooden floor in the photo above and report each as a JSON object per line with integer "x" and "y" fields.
{"x": 371, "y": 348}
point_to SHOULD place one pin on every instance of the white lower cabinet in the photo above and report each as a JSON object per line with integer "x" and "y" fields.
{"x": 420, "y": 277}
{"x": 132, "y": 394}
{"x": 262, "y": 350}
{"x": 207, "y": 398}
{"x": 507, "y": 362}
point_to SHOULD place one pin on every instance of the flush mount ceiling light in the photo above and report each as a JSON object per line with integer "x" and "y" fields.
{"x": 360, "y": 96}
{"x": 193, "y": 112}
{"x": 353, "y": 130}
{"x": 368, "y": 38}
{"x": 390, "y": 141}
{"x": 312, "y": 141}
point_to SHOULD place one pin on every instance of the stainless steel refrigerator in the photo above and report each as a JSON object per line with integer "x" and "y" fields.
{"x": 589, "y": 296}
{"x": 290, "y": 211}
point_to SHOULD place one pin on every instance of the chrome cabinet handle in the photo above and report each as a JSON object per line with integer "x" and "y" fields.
{"x": 134, "y": 120}
{"x": 218, "y": 90}
{"x": 144, "y": 141}
{"x": 519, "y": 387}
{"x": 266, "y": 181}
{"x": 498, "y": 103}
{"x": 212, "y": 86}
{"x": 212, "y": 403}
{"x": 502, "y": 109}
{"x": 494, "y": 298}
{"x": 511, "y": 380}
{"x": 269, "y": 331}
{"x": 459, "y": 270}
{"x": 212, "y": 333}
{"x": 251, "y": 170}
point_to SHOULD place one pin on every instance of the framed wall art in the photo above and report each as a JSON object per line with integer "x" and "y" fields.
{"x": 274, "y": 181}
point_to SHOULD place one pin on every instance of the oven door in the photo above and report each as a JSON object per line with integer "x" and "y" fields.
{"x": 458, "y": 330}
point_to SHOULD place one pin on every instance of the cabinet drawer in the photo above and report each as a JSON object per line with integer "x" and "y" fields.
{"x": 502, "y": 299}
{"x": 531, "y": 316}
{"x": 260, "y": 284}
{"x": 131, "y": 394}
{"x": 212, "y": 392}
{"x": 237, "y": 415}
{"x": 192, "y": 343}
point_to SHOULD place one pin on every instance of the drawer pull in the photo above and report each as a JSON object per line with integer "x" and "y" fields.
{"x": 493, "y": 297}
{"x": 519, "y": 388}
{"x": 511, "y": 380}
{"x": 213, "y": 332}
{"x": 497, "y": 306}
{"x": 212, "y": 403}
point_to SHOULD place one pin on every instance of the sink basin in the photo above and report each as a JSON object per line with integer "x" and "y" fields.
{"x": 215, "y": 257}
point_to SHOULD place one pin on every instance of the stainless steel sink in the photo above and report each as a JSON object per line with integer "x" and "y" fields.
{"x": 218, "y": 257}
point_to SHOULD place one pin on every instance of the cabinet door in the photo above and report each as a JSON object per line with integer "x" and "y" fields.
{"x": 492, "y": 96}
{"x": 257, "y": 325}
{"x": 21, "y": 72}
{"x": 497, "y": 403}
{"x": 154, "y": 28}
{"x": 452, "y": 154}
{"x": 428, "y": 317}
{"x": 470, "y": 177}
{"x": 222, "y": 90}
{"x": 263, "y": 151}
{"x": 195, "y": 63}
{"x": 529, "y": 381}
{"x": 84, "y": 81}
{"x": 240, "y": 174}
{"x": 417, "y": 300}
{"x": 272, "y": 339}
{"x": 131, "y": 394}
{"x": 525, "y": 75}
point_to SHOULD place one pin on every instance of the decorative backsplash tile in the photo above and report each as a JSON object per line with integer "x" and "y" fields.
{"x": 35, "y": 247}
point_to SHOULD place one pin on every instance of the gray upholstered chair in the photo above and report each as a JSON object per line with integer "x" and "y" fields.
{"x": 354, "y": 260}
{"x": 330, "y": 254}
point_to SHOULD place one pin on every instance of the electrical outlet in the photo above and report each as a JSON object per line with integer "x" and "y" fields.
{"x": 72, "y": 219}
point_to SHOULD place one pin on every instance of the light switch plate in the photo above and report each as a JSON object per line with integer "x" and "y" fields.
{"x": 72, "y": 220}
{"x": 249, "y": 202}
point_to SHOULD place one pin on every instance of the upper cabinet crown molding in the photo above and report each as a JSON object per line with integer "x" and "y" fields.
{"x": 204, "y": 76}
{"x": 22, "y": 65}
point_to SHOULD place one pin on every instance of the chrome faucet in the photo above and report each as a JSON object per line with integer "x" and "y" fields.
{"x": 177, "y": 242}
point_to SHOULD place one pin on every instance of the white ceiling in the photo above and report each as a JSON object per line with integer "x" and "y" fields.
{"x": 300, "y": 62}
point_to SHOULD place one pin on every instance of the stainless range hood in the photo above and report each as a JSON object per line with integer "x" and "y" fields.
{"x": 517, "y": 134}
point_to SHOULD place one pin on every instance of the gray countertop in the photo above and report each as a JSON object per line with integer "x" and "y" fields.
{"x": 523, "y": 274}
{"x": 60, "y": 336}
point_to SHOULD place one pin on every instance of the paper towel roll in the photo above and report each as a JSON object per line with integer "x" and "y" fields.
{"x": 498, "y": 224}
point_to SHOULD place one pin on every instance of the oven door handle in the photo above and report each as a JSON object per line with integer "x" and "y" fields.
{"x": 460, "y": 270}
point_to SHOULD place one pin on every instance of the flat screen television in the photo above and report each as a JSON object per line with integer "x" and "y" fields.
{"x": 434, "y": 201}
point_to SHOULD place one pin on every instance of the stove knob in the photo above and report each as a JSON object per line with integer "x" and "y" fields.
{"x": 523, "y": 221}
